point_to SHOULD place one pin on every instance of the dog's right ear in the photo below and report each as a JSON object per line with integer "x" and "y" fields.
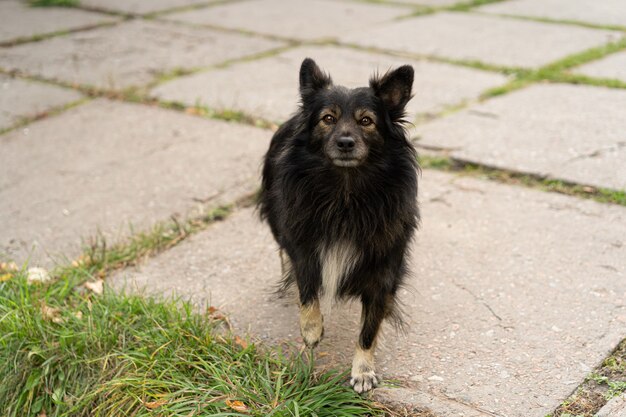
{"x": 312, "y": 78}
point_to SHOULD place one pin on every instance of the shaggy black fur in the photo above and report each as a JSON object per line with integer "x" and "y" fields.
{"x": 342, "y": 170}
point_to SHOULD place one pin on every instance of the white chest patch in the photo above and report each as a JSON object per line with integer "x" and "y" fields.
{"x": 336, "y": 260}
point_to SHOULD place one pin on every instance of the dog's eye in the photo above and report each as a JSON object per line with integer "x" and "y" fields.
{"x": 329, "y": 119}
{"x": 365, "y": 121}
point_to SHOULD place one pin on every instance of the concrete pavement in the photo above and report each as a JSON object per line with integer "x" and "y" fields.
{"x": 517, "y": 294}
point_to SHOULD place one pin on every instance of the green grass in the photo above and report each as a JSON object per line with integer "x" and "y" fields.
{"x": 604, "y": 383}
{"x": 54, "y": 3}
{"x": 448, "y": 164}
{"x": 118, "y": 355}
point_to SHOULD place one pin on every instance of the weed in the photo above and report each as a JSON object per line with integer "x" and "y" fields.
{"x": 118, "y": 355}
{"x": 54, "y": 3}
{"x": 449, "y": 164}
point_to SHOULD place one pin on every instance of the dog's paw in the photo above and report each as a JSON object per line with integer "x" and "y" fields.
{"x": 364, "y": 381}
{"x": 312, "y": 333}
{"x": 363, "y": 377}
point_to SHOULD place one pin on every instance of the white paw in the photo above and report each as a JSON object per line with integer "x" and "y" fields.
{"x": 363, "y": 381}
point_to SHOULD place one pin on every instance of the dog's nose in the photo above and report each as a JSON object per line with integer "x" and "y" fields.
{"x": 345, "y": 143}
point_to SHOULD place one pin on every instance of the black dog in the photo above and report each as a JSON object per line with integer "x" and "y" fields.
{"x": 340, "y": 195}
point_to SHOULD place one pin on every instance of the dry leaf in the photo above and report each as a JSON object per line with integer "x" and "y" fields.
{"x": 241, "y": 342}
{"x": 78, "y": 315}
{"x": 42, "y": 414}
{"x": 8, "y": 267}
{"x": 81, "y": 260}
{"x": 96, "y": 287}
{"x": 51, "y": 313}
{"x": 237, "y": 406}
{"x": 154, "y": 404}
{"x": 194, "y": 111}
{"x": 211, "y": 310}
{"x": 37, "y": 275}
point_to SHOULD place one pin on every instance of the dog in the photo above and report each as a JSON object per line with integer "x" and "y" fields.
{"x": 339, "y": 191}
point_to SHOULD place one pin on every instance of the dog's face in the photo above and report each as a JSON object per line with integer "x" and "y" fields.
{"x": 347, "y": 126}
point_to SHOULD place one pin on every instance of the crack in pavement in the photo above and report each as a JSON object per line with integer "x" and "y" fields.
{"x": 597, "y": 152}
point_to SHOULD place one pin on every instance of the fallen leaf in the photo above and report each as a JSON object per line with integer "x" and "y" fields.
{"x": 96, "y": 287}
{"x": 42, "y": 414}
{"x": 211, "y": 310}
{"x": 241, "y": 342}
{"x": 5, "y": 277}
{"x": 81, "y": 260}
{"x": 194, "y": 111}
{"x": 8, "y": 267}
{"x": 51, "y": 313}
{"x": 37, "y": 275}
{"x": 237, "y": 406}
{"x": 78, "y": 315}
{"x": 154, "y": 404}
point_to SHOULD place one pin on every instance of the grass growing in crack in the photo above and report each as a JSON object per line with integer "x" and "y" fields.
{"x": 100, "y": 259}
{"x": 54, "y": 3}
{"x": 606, "y": 382}
{"x": 465, "y": 6}
{"x": 448, "y": 164}
{"x": 43, "y": 115}
{"x": 63, "y": 353}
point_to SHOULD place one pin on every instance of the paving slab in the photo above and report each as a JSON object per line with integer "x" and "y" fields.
{"x": 616, "y": 407}
{"x": 490, "y": 39}
{"x": 20, "y": 99}
{"x": 579, "y": 140}
{"x": 612, "y": 67}
{"x": 140, "y": 7}
{"x": 104, "y": 166}
{"x": 515, "y": 295}
{"x": 433, "y": 3}
{"x": 605, "y": 12}
{"x": 299, "y": 19}
{"x": 19, "y": 21}
{"x": 132, "y": 53}
{"x": 269, "y": 87}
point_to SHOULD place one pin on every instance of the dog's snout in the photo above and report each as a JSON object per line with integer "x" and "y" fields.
{"x": 345, "y": 143}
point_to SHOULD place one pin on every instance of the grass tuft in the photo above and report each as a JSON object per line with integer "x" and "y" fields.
{"x": 118, "y": 355}
{"x": 606, "y": 382}
{"x": 54, "y": 3}
{"x": 448, "y": 164}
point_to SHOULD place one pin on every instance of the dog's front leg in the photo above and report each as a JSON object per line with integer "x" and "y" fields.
{"x": 363, "y": 377}
{"x": 311, "y": 319}
{"x": 311, "y": 323}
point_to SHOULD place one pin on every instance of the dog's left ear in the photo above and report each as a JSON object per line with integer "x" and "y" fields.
{"x": 394, "y": 89}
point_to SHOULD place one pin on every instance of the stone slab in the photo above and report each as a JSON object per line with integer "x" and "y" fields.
{"x": 515, "y": 295}
{"x": 433, "y": 3}
{"x": 19, "y": 21}
{"x": 605, "y": 12}
{"x": 616, "y": 407}
{"x": 490, "y": 39}
{"x": 129, "y": 54}
{"x": 611, "y": 67}
{"x": 140, "y": 7}
{"x": 21, "y": 99}
{"x": 104, "y": 166}
{"x": 269, "y": 87}
{"x": 574, "y": 133}
{"x": 295, "y": 19}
